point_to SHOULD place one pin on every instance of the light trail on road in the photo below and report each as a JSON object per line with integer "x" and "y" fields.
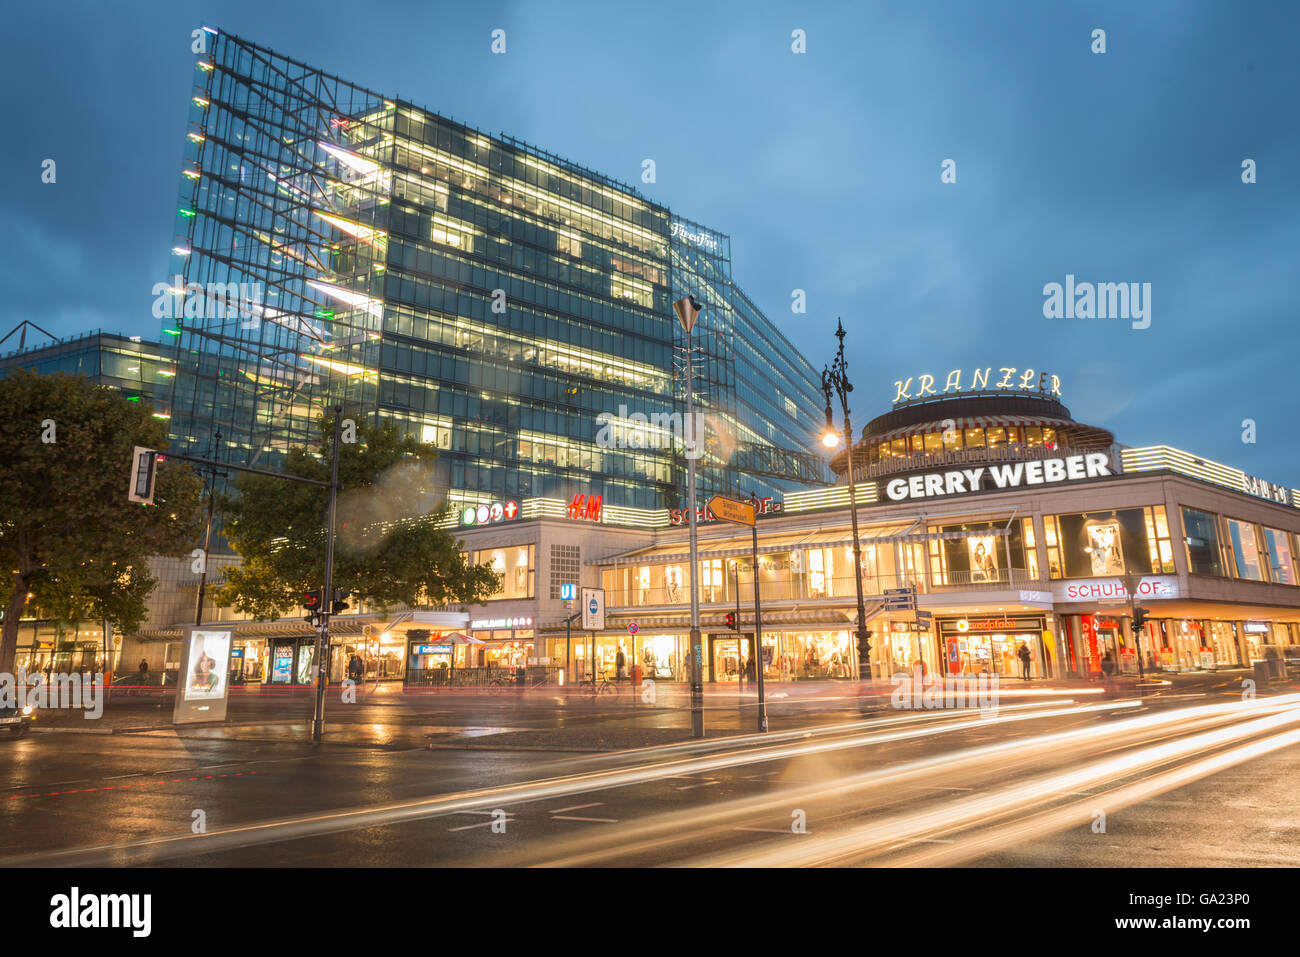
{"x": 803, "y": 742}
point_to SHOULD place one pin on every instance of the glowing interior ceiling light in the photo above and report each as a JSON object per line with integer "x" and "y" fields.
{"x": 204, "y": 65}
{"x": 358, "y": 163}
{"x": 364, "y": 233}
{"x": 196, "y": 137}
{"x": 347, "y": 368}
{"x": 191, "y": 173}
{"x": 372, "y": 306}
{"x": 200, "y": 101}
{"x": 180, "y": 251}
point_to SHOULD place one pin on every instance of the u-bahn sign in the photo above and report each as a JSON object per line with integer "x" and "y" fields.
{"x": 1071, "y": 468}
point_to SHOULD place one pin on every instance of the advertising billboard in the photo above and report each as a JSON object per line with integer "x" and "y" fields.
{"x": 204, "y": 679}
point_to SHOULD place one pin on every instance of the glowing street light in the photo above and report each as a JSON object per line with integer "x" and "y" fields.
{"x": 836, "y": 379}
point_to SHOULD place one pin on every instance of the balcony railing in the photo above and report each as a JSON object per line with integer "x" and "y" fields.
{"x": 1006, "y": 452}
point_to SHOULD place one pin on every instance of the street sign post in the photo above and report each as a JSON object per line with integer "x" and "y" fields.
{"x": 900, "y": 599}
{"x": 593, "y": 609}
{"x": 726, "y": 510}
{"x": 745, "y": 513}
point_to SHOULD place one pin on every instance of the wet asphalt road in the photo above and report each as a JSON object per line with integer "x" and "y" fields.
{"x": 825, "y": 786}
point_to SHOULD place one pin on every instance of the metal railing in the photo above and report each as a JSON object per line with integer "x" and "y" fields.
{"x": 1007, "y": 451}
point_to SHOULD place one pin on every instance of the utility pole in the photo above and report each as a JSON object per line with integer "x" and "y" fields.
{"x": 207, "y": 535}
{"x": 327, "y": 596}
{"x": 688, "y": 311}
{"x": 758, "y": 624}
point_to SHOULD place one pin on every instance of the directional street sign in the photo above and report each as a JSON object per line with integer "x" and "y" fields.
{"x": 727, "y": 510}
{"x": 924, "y": 619}
{"x": 900, "y": 599}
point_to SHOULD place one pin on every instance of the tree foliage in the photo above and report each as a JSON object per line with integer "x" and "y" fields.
{"x": 69, "y": 537}
{"x": 389, "y": 549}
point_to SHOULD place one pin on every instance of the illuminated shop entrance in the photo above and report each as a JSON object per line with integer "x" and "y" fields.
{"x": 726, "y": 655}
{"x": 990, "y": 646}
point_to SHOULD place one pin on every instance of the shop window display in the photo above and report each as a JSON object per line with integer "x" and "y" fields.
{"x": 1108, "y": 544}
{"x": 514, "y": 564}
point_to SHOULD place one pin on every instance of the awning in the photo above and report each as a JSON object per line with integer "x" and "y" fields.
{"x": 871, "y": 535}
{"x": 775, "y": 620}
{"x": 457, "y": 638}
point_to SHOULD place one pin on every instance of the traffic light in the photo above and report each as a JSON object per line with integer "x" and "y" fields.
{"x": 1139, "y": 618}
{"x": 730, "y": 619}
{"x": 311, "y": 601}
{"x": 340, "y": 601}
{"x": 143, "y": 472}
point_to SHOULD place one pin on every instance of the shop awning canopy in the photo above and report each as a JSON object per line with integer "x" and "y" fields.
{"x": 869, "y": 535}
{"x": 828, "y": 618}
{"x": 458, "y": 638}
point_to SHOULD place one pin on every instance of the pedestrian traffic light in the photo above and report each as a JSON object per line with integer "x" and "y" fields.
{"x": 731, "y": 621}
{"x": 311, "y": 600}
{"x": 340, "y": 601}
{"x": 1139, "y": 618}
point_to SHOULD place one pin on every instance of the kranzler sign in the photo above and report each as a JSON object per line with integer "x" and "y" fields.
{"x": 1071, "y": 468}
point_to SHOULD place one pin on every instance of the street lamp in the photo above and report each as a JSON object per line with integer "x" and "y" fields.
{"x": 688, "y": 311}
{"x": 836, "y": 378}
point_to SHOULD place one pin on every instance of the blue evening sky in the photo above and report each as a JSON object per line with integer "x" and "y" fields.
{"x": 823, "y": 168}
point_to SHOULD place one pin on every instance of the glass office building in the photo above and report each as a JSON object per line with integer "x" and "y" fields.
{"x": 137, "y": 368}
{"x": 336, "y": 246}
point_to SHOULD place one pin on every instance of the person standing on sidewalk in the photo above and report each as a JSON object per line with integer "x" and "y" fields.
{"x": 1023, "y": 654}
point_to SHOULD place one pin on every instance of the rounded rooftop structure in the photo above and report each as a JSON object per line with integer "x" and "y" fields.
{"x": 989, "y": 426}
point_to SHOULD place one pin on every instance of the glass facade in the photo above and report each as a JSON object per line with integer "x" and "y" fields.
{"x": 1231, "y": 548}
{"x": 136, "y": 368}
{"x": 484, "y": 295}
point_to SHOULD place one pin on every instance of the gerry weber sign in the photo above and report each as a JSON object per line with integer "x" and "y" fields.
{"x": 1035, "y": 472}
{"x": 1027, "y": 381}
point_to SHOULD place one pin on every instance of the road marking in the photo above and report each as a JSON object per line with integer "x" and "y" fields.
{"x": 576, "y": 807}
{"x": 574, "y": 817}
{"x": 689, "y": 787}
{"x": 466, "y": 827}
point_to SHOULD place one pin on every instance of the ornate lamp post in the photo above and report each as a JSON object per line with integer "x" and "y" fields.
{"x": 836, "y": 379}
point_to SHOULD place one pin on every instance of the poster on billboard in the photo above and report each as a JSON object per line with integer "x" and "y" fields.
{"x": 204, "y": 678}
{"x": 1104, "y": 548}
{"x": 983, "y": 558}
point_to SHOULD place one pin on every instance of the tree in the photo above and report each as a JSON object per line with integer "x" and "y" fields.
{"x": 70, "y": 540}
{"x": 389, "y": 549}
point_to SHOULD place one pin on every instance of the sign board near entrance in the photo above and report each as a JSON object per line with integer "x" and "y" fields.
{"x": 1112, "y": 589}
{"x": 593, "y": 609}
{"x": 727, "y": 510}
